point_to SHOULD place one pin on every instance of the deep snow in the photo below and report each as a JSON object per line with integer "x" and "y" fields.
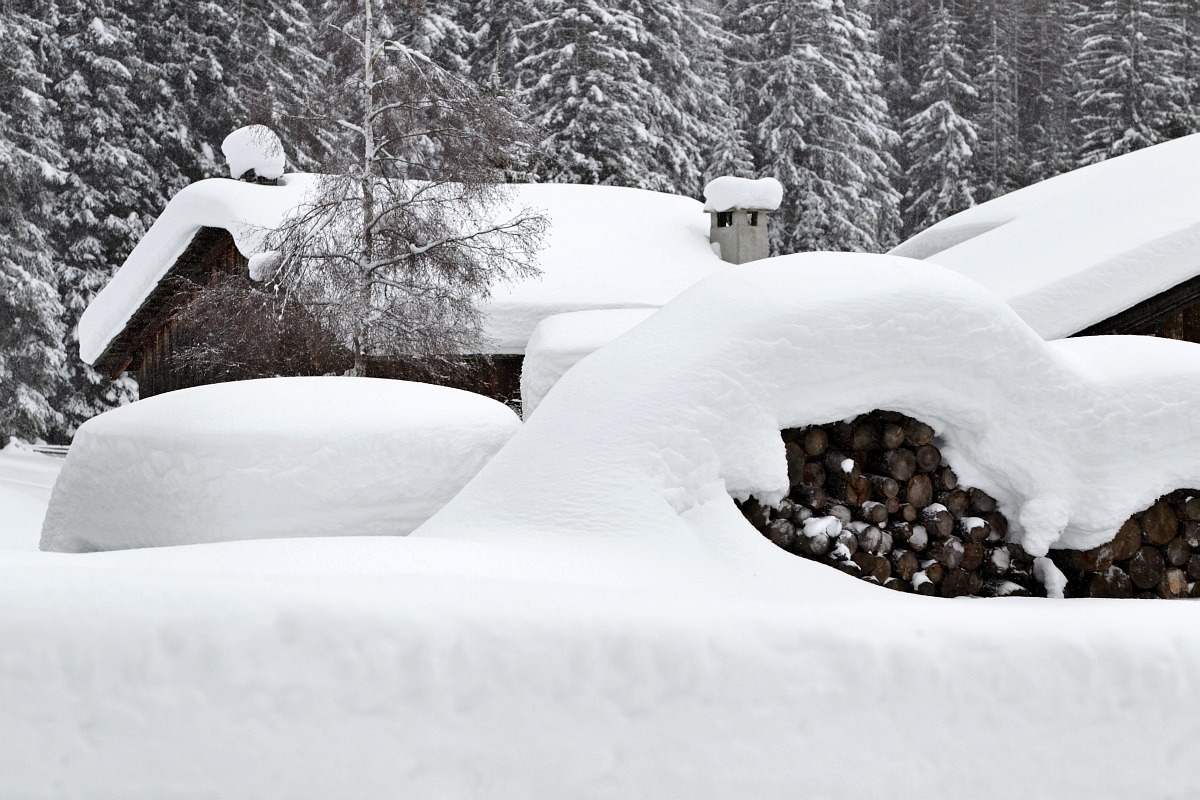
{"x": 1075, "y": 249}
{"x": 26, "y": 478}
{"x": 560, "y": 341}
{"x": 278, "y": 457}
{"x": 592, "y": 617}
{"x": 1072, "y": 437}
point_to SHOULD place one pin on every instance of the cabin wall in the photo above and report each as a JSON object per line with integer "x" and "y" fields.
{"x": 1173, "y": 314}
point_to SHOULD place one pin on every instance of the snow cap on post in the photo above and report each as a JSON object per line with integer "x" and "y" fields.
{"x": 729, "y": 193}
{"x": 254, "y": 149}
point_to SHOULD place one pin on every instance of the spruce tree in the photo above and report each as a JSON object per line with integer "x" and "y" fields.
{"x": 939, "y": 136}
{"x": 1133, "y": 88}
{"x": 819, "y": 123}
{"x": 999, "y": 163}
{"x": 31, "y": 348}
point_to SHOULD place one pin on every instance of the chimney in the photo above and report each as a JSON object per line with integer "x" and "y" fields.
{"x": 740, "y": 211}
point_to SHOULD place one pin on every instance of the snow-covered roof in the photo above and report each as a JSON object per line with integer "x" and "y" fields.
{"x": 1076, "y": 249}
{"x": 727, "y": 193}
{"x": 607, "y": 247}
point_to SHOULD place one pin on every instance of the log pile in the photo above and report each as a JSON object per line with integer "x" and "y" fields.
{"x": 873, "y": 498}
{"x": 1156, "y": 553}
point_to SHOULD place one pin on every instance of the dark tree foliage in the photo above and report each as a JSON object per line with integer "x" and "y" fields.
{"x": 235, "y": 329}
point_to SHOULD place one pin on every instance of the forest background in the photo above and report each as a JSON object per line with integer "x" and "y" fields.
{"x": 880, "y": 117}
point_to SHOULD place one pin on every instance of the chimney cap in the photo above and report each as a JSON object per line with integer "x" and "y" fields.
{"x": 728, "y": 193}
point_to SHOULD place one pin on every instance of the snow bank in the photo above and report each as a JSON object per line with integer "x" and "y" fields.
{"x": 592, "y": 617}
{"x": 281, "y": 457}
{"x": 662, "y": 424}
{"x": 254, "y": 147}
{"x": 1073, "y": 250}
{"x": 726, "y": 193}
{"x": 559, "y": 342}
{"x": 26, "y": 478}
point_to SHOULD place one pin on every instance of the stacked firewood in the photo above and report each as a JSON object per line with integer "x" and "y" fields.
{"x": 873, "y": 498}
{"x": 1156, "y": 553}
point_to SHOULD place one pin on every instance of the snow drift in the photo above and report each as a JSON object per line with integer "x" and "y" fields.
{"x": 655, "y": 430}
{"x": 558, "y": 342}
{"x": 1075, "y": 249}
{"x": 280, "y": 457}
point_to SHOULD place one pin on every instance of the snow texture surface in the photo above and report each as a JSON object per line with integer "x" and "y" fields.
{"x": 1075, "y": 249}
{"x": 686, "y": 408}
{"x": 26, "y": 478}
{"x": 560, "y": 341}
{"x": 607, "y": 247}
{"x": 728, "y": 193}
{"x": 592, "y": 617}
{"x": 279, "y": 457}
{"x": 254, "y": 147}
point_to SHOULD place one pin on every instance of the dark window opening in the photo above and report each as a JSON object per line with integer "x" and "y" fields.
{"x": 753, "y": 215}
{"x": 724, "y": 219}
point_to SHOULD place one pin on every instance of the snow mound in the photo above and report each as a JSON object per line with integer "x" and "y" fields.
{"x": 560, "y": 341}
{"x": 254, "y": 147}
{"x": 650, "y": 434}
{"x": 727, "y": 193}
{"x": 280, "y": 457}
{"x": 1076, "y": 249}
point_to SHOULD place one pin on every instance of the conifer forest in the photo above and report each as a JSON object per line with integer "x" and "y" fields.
{"x": 880, "y": 117}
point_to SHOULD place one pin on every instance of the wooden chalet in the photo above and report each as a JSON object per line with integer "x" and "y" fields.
{"x": 145, "y": 348}
{"x": 1173, "y": 314}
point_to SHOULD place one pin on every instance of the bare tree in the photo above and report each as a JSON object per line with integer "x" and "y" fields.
{"x": 398, "y": 244}
{"x": 235, "y": 330}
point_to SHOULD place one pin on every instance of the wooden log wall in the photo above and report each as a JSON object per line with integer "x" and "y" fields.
{"x": 874, "y": 499}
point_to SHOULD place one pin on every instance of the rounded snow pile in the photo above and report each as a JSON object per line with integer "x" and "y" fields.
{"x": 280, "y": 457}
{"x": 728, "y": 193}
{"x": 649, "y": 435}
{"x": 254, "y": 147}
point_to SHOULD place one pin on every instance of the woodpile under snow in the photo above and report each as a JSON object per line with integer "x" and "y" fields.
{"x": 1156, "y": 553}
{"x": 874, "y": 498}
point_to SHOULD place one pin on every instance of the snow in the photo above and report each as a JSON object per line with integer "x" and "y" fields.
{"x": 607, "y": 247}
{"x": 684, "y": 409}
{"x": 1075, "y": 249}
{"x": 26, "y": 478}
{"x": 247, "y": 210}
{"x": 254, "y": 147}
{"x": 560, "y": 341}
{"x": 262, "y": 266}
{"x": 592, "y": 617}
{"x": 727, "y": 193}
{"x": 279, "y": 457}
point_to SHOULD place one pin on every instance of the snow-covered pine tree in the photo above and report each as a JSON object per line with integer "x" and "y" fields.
{"x": 1133, "y": 87}
{"x": 1046, "y": 103}
{"x": 939, "y": 137}
{"x": 585, "y": 81}
{"x": 690, "y": 110}
{"x": 999, "y": 163}
{"x": 31, "y": 346}
{"x": 819, "y": 123}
